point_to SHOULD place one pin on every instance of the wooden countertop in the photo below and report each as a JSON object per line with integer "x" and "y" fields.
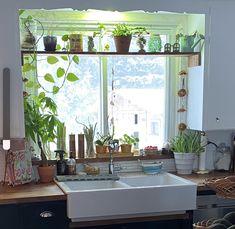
{"x": 35, "y": 192}
{"x": 200, "y": 178}
{"x": 32, "y": 192}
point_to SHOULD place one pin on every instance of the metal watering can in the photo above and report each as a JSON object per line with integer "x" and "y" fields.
{"x": 189, "y": 42}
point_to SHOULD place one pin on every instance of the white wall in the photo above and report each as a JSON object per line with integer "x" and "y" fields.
{"x": 216, "y": 11}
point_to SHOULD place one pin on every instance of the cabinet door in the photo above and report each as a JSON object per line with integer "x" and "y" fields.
{"x": 44, "y": 215}
{"x": 9, "y": 216}
{"x": 195, "y": 98}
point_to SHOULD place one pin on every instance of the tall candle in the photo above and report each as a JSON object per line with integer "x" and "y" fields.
{"x": 72, "y": 145}
{"x": 81, "y": 145}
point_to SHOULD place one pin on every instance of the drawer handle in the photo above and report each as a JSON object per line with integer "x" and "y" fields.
{"x": 46, "y": 214}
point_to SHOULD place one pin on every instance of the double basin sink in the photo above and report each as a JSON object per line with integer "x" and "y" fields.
{"x": 130, "y": 195}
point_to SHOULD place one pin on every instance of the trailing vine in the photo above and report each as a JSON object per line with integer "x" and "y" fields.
{"x": 32, "y": 65}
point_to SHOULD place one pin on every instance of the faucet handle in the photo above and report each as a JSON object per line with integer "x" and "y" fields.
{"x": 114, "y": 145}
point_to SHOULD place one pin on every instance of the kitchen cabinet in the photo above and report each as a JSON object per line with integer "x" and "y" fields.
{"x": 9, "y": 216}
{"x": 181, "y": 221}
{"x": 40, "y": 215}
{"x": 166, "y": 224}
{"x": 209, "y": 106}
{"x": 43, "y": 215}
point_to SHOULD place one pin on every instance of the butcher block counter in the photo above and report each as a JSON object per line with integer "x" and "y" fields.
{"x": 32, "y": 192}
{"x": 37, "y": 192}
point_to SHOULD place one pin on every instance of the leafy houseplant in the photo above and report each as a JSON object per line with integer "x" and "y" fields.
{"x": 127, "y": 142}
{"x": 89, "y": 133}
{"x": 102, "y": 143}
{"x": 186, "y": 145}
{"x": 41, "y": 123}
{"x": 187, "y": 142}
{"x": 122, "y": 34}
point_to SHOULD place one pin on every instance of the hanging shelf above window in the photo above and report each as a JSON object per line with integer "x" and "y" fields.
{"x": 194, "y": 58}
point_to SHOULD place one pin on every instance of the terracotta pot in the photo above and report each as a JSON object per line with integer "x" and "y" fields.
{"x": 46, "y": 174}
{"x": 122, "y": 43}
{"x": 101, "y": 149}
{"x": 126, "y": 148}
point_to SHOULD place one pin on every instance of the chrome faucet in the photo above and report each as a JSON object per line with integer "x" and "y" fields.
{"x": 111, "y": 164}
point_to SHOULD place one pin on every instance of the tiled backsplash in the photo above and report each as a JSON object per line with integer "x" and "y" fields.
{"x": 129, "y": 166}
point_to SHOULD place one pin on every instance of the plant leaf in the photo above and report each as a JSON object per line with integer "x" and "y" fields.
{"x": 76, "y": 59}
{"x": 72, "y": 77}
{"x": 52, "y": 59}
{"x": 55, "y": 89}
{"x": 42, "y": 94}
{"x": 60, "y": 72}
{"x": 58, "y": 47}
{"x": 21, "y": 12}
{"x": 27, "y": 67}
{"x": 64, "y": 58}
{"x": 65, "y": 37}
{"x": 30, "y": 84}
{"x": 48, "y": 77}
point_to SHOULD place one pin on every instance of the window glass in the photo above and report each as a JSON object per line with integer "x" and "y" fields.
{"x": 137, "y": 97}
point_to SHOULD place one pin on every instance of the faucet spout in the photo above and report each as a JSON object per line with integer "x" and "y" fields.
{"x": 111, "y": 164}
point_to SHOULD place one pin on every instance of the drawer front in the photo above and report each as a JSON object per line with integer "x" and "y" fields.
{"x": 44, "y": 215}
{"x": 9, "y": 216}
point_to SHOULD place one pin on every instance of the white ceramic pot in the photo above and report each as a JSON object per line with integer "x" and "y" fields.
{"x": 184, "y": 162}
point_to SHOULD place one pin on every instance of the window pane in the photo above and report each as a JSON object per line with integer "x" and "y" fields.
{"x": 78, "y": 100}
{"x": 136, "y": 88}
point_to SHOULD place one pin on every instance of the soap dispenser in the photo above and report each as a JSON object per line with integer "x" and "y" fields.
{"x": 61, "y": 163}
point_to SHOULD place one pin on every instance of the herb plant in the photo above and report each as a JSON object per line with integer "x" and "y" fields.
{"x": 187, "y": 142}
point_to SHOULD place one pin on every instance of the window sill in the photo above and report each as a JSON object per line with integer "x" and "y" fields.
{"x": 131, "y": 158}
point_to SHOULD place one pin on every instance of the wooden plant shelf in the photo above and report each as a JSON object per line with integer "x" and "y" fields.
{"x": 193, "y": 57}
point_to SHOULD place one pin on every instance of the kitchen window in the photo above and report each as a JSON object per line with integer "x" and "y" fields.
{"x": 125, "y": 94}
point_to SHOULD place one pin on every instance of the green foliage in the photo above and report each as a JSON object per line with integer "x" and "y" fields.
{"x": 72, "y": 77}
{"x": 41, "y": 121}
{"x": 60, "y": 72}
{"x": 52, "y": 60}
{"x": 122, "y": 30}
{"x": 31, "y": 64}
{"x": 187, "y": 142}
{"x": 49, "y": 78}
{"x": 126, "y": 139}
{"x": 89, "y": 132}
{"x": 125, "y": 30}
{"x": 103, "y": 139}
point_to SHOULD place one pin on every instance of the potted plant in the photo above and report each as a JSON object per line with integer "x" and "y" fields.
{"x": 186, "y": 145}
{"x": 122, "y": 35}
{"x": 89, "y": 133}
{"x": 50, "y": 43}
{"x": 41, "y": 123}
{"x": 126, "y": 143}
{"x": 102, "y": 143}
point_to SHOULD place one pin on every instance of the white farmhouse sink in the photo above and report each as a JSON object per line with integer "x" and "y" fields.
{"x": 163, "y": 179}
{"x": 75, "y": 186}
{"x": 162, "y": 193}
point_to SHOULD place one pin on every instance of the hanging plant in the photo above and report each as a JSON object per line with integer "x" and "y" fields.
{"x": 62, "y": 65}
